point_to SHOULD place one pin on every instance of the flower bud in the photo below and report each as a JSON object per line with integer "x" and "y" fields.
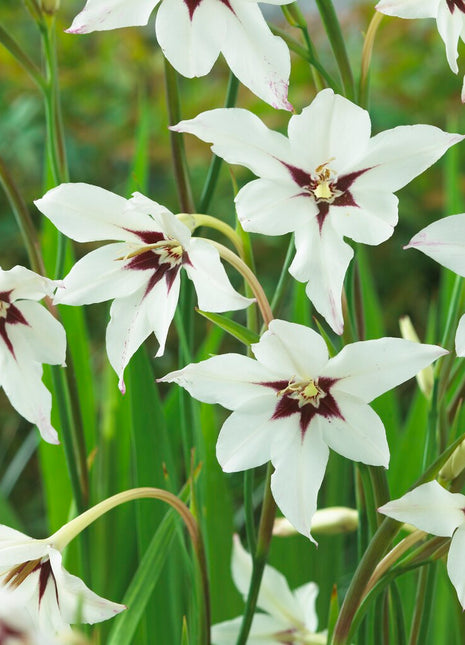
{"x": 425, "y": 377}
{"x": 455, "y": 464}
{"x": 326, "y": 521}
{"x": 50, "y": 7}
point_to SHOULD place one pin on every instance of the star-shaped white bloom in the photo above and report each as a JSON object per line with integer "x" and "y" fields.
{"x": 290, "y": 616}
{"x": 327, "y": 180}
{"x": 192, "y": 33}
{"x": 141, "y": 273}
{"x": 32, "y": 570}
{"x": 433, "y": 509}
{"x": 449, "y": 15}
{"x": 293, "y": 403}
{"x": 444, "y": 241}
{"x": 29, "y": 336}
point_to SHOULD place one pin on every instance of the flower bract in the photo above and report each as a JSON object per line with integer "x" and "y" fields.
{"x": 141, "y": 274}
{"x": 433, "y": 509}
{"x": 29, "y": 337}
{"x": 328, "y": 179}
{"x": 288, "y": 616}
{"x": 236, "y": 28}
{"x": 444, "y": 241}
{"x": 450, "y": 19}
{"x": 293, "y": 403}
{"x": 32, "y": 571}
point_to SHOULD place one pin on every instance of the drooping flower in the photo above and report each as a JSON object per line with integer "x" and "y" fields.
{"x": 29, "y": 336}
{"x": 289, "y": 616}
{"x": 293, "y": 403}
{"x": 433, "y": 509}
{"x": 327, "y": 180}
{"x": 450, "y": 19}
{"x": 192, "y": 33}
{"x": 141, "y": 273}
{"x": 32, "y": 570}
{"x": 444, "y": 241}
{"x": 17, "y": 626}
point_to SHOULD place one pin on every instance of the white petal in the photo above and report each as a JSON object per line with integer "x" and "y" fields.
{"x": 444, "y": 241}
{"x": 86, "y": 213}
{"x": 25, "y": 284}
{"x": 306, "y": 597}
{"x": 43, "y": 340}
{"x": 450, "y": 25}
{"x": 430, "y": 508}
{"x": 76, "y": 600}
{"x": 17, "y": 547}
{"x": 134, "y": 318}
{"x": 212, "y": 285}
{"x": 460, "y": 337}
{"x": 100, "y": 15}
{"x": 456, "y": 563}
{"x": 100, "y": 275}
{"x": 229, "y": 379}
{"x": 369, "y": 368}
{"x": 300, "y": 464}
{"x": 274, "y": 206}
{"x": 191, "y": 43}
{"x": 359, "y": 435}
{"x": 260, "y": 60}
{"x": 331, "y": 129}
{"x": 274, "y": 597}
{"x": 322, "y": 258}
{"x": 245, "y": 438}
{"x": 22, "y": 382}
{"x": 240, "y": 137}
{"x": 398, "y": 155}
{"x": 262, "y": 632}
{"x": 296, "y": 349}
{"x": 372, "y": 221}
{"x": 161, "y": 219}
{"x": 409, "y": 8}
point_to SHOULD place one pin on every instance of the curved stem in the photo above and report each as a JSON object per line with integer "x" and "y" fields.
{"x": 61, "y": 538}
{"x": 198, "y": 219}
{"x": 250, "y": 277}
{"x": 23, "y": 59}
{"x": 366, "y": 58}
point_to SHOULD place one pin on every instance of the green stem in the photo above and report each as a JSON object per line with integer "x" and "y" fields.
{"x": 333, "y": 30}
{"x": 260, "y": 558}
{"x": 178, "y": 154}
{"x": 23, "y": 219}
{"x": 215, "y": 164}
{"x": 304, "y": 53}
{"x": 283, "y": 276}
{"x": 249, "y": 510}
{"x": 368, "y": 43}
{"x": 419, "y": 607}
{"x": 375, "y": 551}
{"x": 23, "y": 59}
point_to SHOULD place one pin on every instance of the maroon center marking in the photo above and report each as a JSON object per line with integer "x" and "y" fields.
{"x": 152, "y": 261}
{"x": 7, "y": 632}
{"x": 456, "y": 4}
{"x": 44, "y": 576}
{"x": 340, "y": 185}
{"x": 287, "y": 405}
{"x": 13, "y": 317}
{"x": 192, "y": 5}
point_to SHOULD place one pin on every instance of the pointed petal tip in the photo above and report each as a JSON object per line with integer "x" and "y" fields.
{"x": 122, "y": 386}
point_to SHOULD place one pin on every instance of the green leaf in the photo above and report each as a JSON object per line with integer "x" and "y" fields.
{"x": 241, "y": 333}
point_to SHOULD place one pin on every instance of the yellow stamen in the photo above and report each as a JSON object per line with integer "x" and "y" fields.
{"x": 4, "y": 306}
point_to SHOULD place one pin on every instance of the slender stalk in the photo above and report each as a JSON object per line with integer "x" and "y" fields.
{"x": 419, "y": 607}
{"x": 382, "y": 538}
{"x": 250, "y": 277}
{"x": 23, "y": 219}
{"x": 23, "y": 59}
{"x": 249, "y": 510}
{"x": 368, "y": 43}
{"x": 278, "y": 292}
{"x": 333, "y": 30}
{"x": 183, "y": 187}
{"x": 215, "y": 164}
{"x": 218, "y": 224}
{"x": 260, "y": 558}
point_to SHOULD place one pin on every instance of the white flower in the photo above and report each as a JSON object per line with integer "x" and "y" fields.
{"x": 192, "y": 33}
{"x": 294, "y": 403}
{"x": 141, "y": 273}
{"x": 444, "y": 241}
{"x": 327, "y": 180}
{"x": 449, "y": 15}
{"x": 433, "y": 509}
{"x": 16, "y": 624}
{"x": 32, "y": 571}
{"x": 289, "y": 617}
{"x": 29, "y": 336}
